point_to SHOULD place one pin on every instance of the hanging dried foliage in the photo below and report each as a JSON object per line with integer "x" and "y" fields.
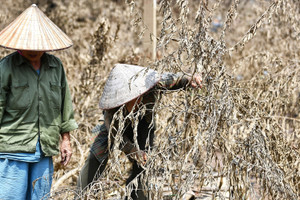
{"x": 236, "y": 138}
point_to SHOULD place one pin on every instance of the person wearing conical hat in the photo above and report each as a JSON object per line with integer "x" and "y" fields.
{"x": 128, "y": 100}
{"x": 35, "y": 106}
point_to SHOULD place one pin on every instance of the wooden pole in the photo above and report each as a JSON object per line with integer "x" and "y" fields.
{"x": 150, "y": 23}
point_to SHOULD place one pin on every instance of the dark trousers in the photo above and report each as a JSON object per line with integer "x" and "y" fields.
{"x": 96, "y": 162}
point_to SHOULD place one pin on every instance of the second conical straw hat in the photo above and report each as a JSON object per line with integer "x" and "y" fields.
{"x": 125, "y": 83}
{"x": 33, "y": 30}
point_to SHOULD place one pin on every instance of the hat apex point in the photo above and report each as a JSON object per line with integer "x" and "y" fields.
{"x": 37, "y": 35}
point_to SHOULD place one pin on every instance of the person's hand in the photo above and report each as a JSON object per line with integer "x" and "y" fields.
{"x": 65, "y": 149}
{"x": 195, "y": 81}
{"x": 139, "y": 156}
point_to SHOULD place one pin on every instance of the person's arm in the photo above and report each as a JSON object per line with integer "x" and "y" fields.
{"x": 2, "y": 97}
{"x": 4, "y": 87}
{"x": 176, "y": 81}
{"x": 68, "y": 123}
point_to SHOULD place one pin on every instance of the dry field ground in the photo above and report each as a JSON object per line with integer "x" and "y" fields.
{"x": 236, "y": 138}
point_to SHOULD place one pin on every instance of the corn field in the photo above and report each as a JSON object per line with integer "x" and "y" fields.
{"x": 238, "y": 137}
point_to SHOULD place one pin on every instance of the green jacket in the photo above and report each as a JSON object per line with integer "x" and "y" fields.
{"x": 32, "y": 105}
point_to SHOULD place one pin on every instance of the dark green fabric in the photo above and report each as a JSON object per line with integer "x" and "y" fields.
{"x": 33, "y": 105}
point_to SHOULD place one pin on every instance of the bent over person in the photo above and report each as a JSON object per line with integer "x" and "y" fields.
{"x": 35, "y": 107}
{"x": 128, "y": 90}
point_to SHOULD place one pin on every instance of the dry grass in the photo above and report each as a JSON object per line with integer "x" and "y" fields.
{"x": 237, "y": 138}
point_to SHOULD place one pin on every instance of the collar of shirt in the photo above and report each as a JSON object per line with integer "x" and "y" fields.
{"x": 47, "y": 62}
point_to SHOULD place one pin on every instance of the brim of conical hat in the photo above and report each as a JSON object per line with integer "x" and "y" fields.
{"x": 125, "y": 83}
{"x": 34, "y": 31}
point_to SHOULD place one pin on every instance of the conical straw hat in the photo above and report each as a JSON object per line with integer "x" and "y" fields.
{"x": 125, "y": 83}
{"x": 33, "y": 30}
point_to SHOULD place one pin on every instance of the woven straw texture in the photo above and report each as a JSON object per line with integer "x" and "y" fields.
{"x": 125, "y": 83}
{"x": 33, "y": 30}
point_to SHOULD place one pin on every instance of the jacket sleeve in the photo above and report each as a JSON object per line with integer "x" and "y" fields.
{"x": 68, "y": 122}
{"x": 3, "y": 88}
{"x": 170, "y": 81}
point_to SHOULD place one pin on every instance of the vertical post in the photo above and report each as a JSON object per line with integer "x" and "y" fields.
{"x": 150, "y": 23}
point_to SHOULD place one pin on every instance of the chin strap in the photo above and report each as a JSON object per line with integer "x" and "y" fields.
{"x": 20, "y": 52}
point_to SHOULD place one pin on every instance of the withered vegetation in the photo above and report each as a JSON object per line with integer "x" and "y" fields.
{"x": 236, "y": 138}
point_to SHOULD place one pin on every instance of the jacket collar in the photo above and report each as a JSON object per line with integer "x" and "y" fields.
{"x": 46, "y": 60}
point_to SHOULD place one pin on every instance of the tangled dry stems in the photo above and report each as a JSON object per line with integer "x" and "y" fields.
{"x": 236, "y": 138}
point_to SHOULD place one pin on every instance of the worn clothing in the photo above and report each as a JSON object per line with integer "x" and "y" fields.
{"x": 32, "y": 105}
{"x": 100, "y": 145}
{"x": 91, "y": 171}
{"x": 168, "y": 81}
{"x": 25, "y": 157}
{"x": 97, "y": 160}
{"x": 22, "y": 180}
{"x": 95, "y": 164}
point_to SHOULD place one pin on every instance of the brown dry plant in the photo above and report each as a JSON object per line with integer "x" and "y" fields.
{"x": 236, "y": 138}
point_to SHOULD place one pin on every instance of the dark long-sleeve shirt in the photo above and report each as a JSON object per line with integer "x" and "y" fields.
{"x": 146, "y": 124}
